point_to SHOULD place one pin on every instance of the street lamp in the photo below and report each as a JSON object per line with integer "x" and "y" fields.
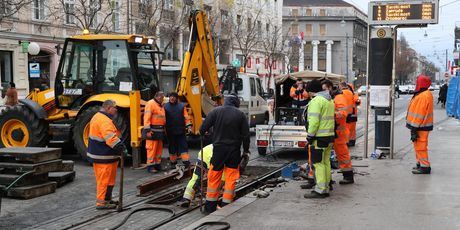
{"x": 343, "y": 24}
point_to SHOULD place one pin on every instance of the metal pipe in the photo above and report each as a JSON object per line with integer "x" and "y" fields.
{"x": 120, "y": 196}
{"x": 366, "y": 121}
{"x": 202, "y": 174}
{"x": 392, "y": 96}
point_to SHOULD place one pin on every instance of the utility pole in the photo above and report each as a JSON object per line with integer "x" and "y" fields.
{"x": 447, "y": 65}
{"x": 127, "y": 17}
{"x": 346, "y": 43}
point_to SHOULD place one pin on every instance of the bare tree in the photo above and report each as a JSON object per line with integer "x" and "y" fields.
{"x": 246, "y": 33}
{"x": 149, "y": 15}
{"x": 96, "y": 15}
{"x": 9, "y": 8}
{"x": 405, "y": 63}
{"x": 272, "y": 43}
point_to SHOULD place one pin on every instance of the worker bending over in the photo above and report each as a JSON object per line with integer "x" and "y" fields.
{"x": 104, "y": 150}
{"x": 153, "y": 131}
{"x": 230, "y": 129}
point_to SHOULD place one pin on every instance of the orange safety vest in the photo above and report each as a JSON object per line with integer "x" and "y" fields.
{"x": 420, "y": 112}
{"x": 103, "y": 136}
{"x": 154, "y": 114}
{"x": 350, "y": 100}
{"x": 301, "y": 97}
{"x": 341, "y": 117}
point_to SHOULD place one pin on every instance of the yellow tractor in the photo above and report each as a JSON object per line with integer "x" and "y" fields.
{"x": 94, "y": 68}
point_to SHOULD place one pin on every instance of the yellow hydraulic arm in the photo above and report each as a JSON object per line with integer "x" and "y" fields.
{"x": 199, "y": 66}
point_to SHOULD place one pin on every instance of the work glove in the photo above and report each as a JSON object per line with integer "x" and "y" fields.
{"x": 120, "y": 148}
{"x": 413, "y": 135}
{"x": 188, "y": 129}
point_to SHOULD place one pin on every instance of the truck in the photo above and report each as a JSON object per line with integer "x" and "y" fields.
{"x": 248, "y": 88}
{"x": 287, "y": 129}
{"x": 97, "y": 67}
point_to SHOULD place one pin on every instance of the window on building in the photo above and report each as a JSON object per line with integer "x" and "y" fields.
{"x": 39, "y": 9}
{"x": 116, "y": 15}
{"x": 322, "y": 12}
{"x": 4, "y": 8}
{"x": 238, "y": 20}
{"x": 169, "y": 4}
{"x": 322, "y": 29}
{"x": 93, "y": 13}
{"x": 308, "y": 30}
{"x": 308, "y": 12}
{"x": 259, "y": 29}
{"x": 295, "y": 12}
{"x": 249, "y": 24}
{"x": 295, "y": 29}
{"x": 224, "y": 17}
{"x": 70, "y": 11}
{"x": 6, "y": 69}
{"x": 267, "y": 28}
{"x": 249, "y": 63}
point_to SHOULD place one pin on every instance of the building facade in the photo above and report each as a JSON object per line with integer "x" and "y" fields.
{"x": 326, "y": 35}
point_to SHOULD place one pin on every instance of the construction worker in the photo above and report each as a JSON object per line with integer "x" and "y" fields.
{"x": 299, "y": 94}
{"x": 177, "y": 121}
{"x": 154, "y": 122}
{"x": 320, "y": 137}
{"x": 104, "y": 149}
{"x": 194, "y": 183}
{"x": 341, "y": 133}
{"x": 419, "y": 120}
{"x": 349, "y": 107}
{"x": 11, "y": 95}
{"x": 230, "y": 129}
{"x": 355, "y": 104}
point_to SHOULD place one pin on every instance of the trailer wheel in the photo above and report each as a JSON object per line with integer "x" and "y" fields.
{"x": 81, "y": 128}
{"x": 20, "y": 127}
{"x": 262, "y": 151}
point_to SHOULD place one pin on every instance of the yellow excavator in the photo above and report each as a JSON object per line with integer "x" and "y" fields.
{"x": 94, "y": 68}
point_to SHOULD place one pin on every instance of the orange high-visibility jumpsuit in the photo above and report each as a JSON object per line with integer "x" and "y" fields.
{"x": 420, "y": 117}
{"x": 103, "y": 137}
{"x": 349, "y": 108}
{"x": 342, "y": 133}
{"x": 356, "y": 102}
{"x": 154, "y": 118}
{"x": 299, "y": 98}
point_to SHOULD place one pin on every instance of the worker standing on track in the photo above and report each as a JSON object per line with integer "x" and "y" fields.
{"x": 349, "y": 108}
{"x": 177, "y": 121}
{"x": 230, "y": 129}
{"x": 154, "y": 123}
{"x": 104, "y": 149}
{"x": 419, "y": 120}
{"x": 320, "y": 137}
{"x": 341, "y": 133}
{"x": 299, "y": 95}
{"x": 355, "y": 104}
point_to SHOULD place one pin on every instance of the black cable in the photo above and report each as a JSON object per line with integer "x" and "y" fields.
{"x": 225, "y": 225}
{"x": 173, "y": 213}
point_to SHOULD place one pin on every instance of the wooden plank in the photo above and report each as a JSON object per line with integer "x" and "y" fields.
{"x": 66, "y": 166}
{"x": 29, "y": 154}
{"x": 31, "y": 191}
{"x": 42, "y": 167}
{"x": 61, "y": 178}
{"x": 7, "y": 179}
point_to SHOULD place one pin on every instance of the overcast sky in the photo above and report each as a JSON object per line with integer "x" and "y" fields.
{"x": 439, "y": 37}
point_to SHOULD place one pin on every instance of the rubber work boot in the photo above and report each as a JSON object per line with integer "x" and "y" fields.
{"x": 422, "y": 170}
{"x": 330, "y": 185}
{"x": 184, "y": 203}
{"x": 315, "y": 195}
{"x": 347, "y": 178}
{"x": 115, "y": 202}
{"x": 417, "y": 166}
{"x": 309, "y": 185}
{"x": 151, "y": 169}
{"x": 107, "y": 205}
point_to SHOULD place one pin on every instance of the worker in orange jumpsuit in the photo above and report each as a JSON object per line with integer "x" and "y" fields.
{"x": 230, "y": 129}
{"x": 341, "y": 133}
{"x": 349, "y": 97}
{"x": 177, "y": 123}
{"x": 356, "y": 103}
{"x": 299, "y": 94}
{"x": 104, "y": 149}
{"x": 154, "y": 130}
{"x": 419, "y": 120}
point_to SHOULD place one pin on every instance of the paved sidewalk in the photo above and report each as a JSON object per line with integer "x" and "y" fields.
{"x": 386, "y": 194}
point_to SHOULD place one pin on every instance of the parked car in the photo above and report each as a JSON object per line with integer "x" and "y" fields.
{"x": 403, "y": 89}
{"x": 411, "y": 89}
{"x": 362, "y": 90}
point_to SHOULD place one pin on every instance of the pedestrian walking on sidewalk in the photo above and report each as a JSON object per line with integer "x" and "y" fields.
{"x": 230, "y": 129}
{"x": 320, "y": 137}
{"x": 443, "y": 95}
{"x": 104, "y": 149}
{"x": 419, "y": 120}
{"x": 154, "y": 123}
{"x": 177, "y": 122}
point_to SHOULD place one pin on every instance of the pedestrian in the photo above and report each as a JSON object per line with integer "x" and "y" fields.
{"x": 443, "y": 95}
{"x": 341, "y": 133}
{"x": 153, "y": 131}
{"x": 11, "y": 95}
{"x": 320, "y": 137}
{"x": 104, "y": 150}
{"x": 299, "y": 94}
{"x": 177, "y": 122}
{"x": 419, "y": 120}
{"x": 230, "y": 129}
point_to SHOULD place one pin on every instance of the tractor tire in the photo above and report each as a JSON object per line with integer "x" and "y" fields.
{"x": 81, "y": 129}
{"x": 20, "y": 127}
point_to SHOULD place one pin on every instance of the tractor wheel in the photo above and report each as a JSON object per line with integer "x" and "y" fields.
{"x": 81, "y": 128}
{"x": 20, "y": 127}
